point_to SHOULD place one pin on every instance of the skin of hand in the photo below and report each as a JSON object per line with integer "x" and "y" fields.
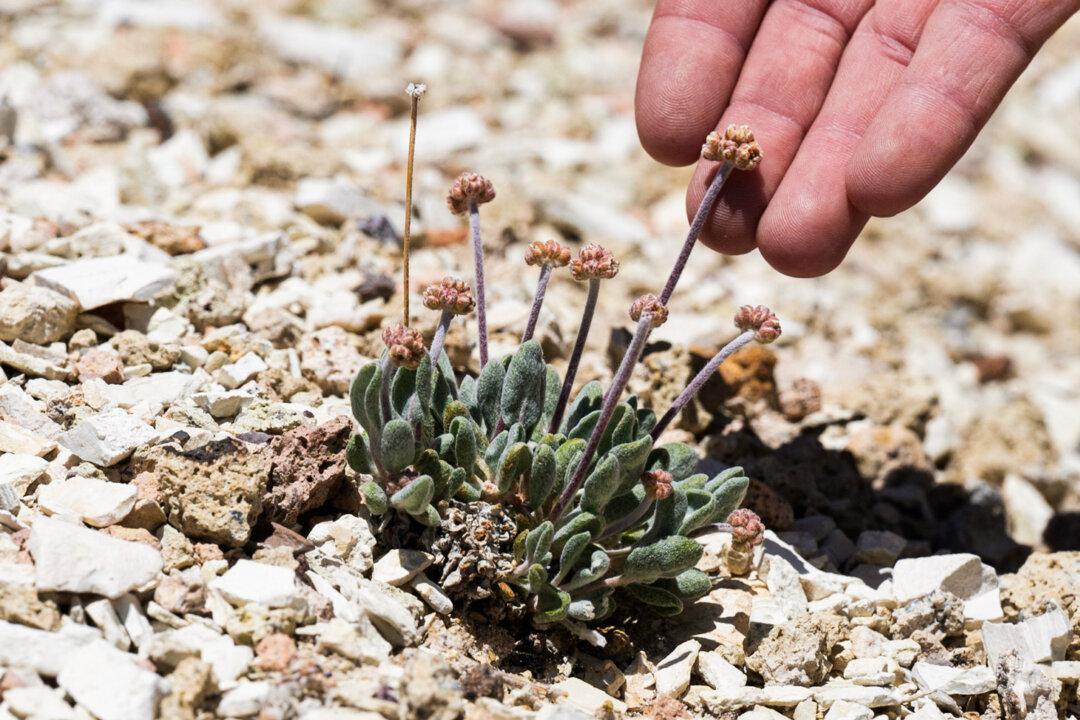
{"x": 860, "y": 107}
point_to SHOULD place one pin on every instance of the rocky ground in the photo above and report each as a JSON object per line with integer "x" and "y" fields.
{"x": 200, "y": 205}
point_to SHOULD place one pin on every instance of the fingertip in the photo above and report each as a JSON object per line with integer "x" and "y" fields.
{"x": 807, "y": 236}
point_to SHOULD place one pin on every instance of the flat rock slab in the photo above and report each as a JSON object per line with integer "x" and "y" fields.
{"x": 673, "y": 672}
{"x": 20, "y": 470}
{"x": 110, "y": 684}
{"x": 96, "y": 282}
{"x": 398, "y": 567}
{"x": 72, "y": 558}
{"x": 588, "y": 698}
{"x": 1043, "y": 638}
{"x": 97, "y": 502}
{"x": 108, "y": 437}
{"x": 253, "y": 582}
{"x": 962, "y": 574}
{"x": 953, "y": 680}
{"x": 42, "y": 651}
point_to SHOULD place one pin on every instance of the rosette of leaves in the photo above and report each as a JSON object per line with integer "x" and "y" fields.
{"x": 488, "y": 438}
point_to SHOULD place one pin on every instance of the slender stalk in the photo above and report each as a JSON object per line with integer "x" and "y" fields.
{"x": 406, "y": 236}
{"x": 538, "y": 301}
{"x": 607, "y": 409}
{"x": 703, "y": 212}
{"x": 575, "y": 355}
{"x": 481, "y": 295}
{"x": 700, "y": 379}
{"x": 440, "y": 335}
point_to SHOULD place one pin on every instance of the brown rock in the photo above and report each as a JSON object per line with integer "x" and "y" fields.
{"x": 773, "y": 509}
{"x": 173, "y": 239}
{"x": 136, "y": 349}
{"x": 801, "y": 399}
{"x": 748, "y": 375}
{"x": 213, "y": 492}
{"x": 147, "y": 512}
{"x": 133, "y": 535}
{"x": 308, "y": 467}
{"x": 275, "y": 652}
{"x": 1010, "y": 439}
{"x": 879, "y": 449}
{"x": 21, "y": 604}
{"x": 99, "y": 363}
{"x": 181, "y": 593}
{"x": 190, "y": 683}
{"x": 799, "y": 652}
{"x": 35, "y": 315}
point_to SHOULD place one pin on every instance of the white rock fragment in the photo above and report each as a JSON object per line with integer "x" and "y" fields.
{"x": 347, "y": 538}
{"x": 953, "y": 680}
{"x": 108, "y": 437}
{"x": 386, "y": 607}
{"x": 785, "y": 587}
{"x": 1043, "y": 638}
{"x": 332, "y": 200}
{"x": 590, "y": 699}
{"x": 235, "y": 374}
{"x": 399, "y": 566}
{"x": 432, "y": 594}
{"x": 357, "y": 641}
{"x": 227, "y": 659}
{"x": 110, "y": 684}
{"x": 96, "y": 502}
{"x": 253, "y": 582}
{"x": 19, "y": 471}
{"x": 844, "y": 710}
{"x": 96, "y": 282}
{"x": 39, "y": 702}
{"x": 72, "y": 558}
{"x": 42, "y": 651}
{"x": 105, "y": 618}
{"x": 16, "y": 439}
{"x": 18, "y": 407}
{"x": 244, "y": 700}
{"x": 35, "y": 314}
{"x": 718, "y": 672}
{"x": 1027, "y": 510}
{"x": 963, "y": 575}
{"x": 673, "y": 672}
{"x": 871, "y": 671}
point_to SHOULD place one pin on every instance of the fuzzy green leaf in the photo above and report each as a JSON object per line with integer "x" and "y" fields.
{"x": 598, "y": 565}
{"x": 374, "y": 498}
{"x": 398, "y": 445}
{"x": 694, "y": 482}
{"x": 700, "y": 509}
{"x": 523, "y": 388}
{"x": 729, "y": 496}
{"x": 514, "y": 465}
{"x": 682, "y": 460}
{"x": 373, "y": 408}
{"x": 402, "y": 387}
{"x": 632, "y": 457}
{"x": 664, "y": 558}
{"x": 468, "y": 492}
{"x": 584, "y": 427}
{"x": 689, "y": 584}
{"x": 566, "y": 458}
{"x": 416, "y": 496}
{"x": 458, "y": 477}
{"x": 551, "y": 606}
{"x": 358, "y": 455}
{"x": 592, "y": 607}
{"x": 659, "y": 600}
{"x": 467, "y": 394}
{"x": 538, "y": 543}
{"x": 667, "y": 515}
{"x": 552, "y": 387}
{"x": 357, "y": 391}
{"x": 465, "y": 451}
{"x": 489, "y": 388}
{"x": 424, "y": 383}
{"x": 496, "y": 448}
{"x": 429, "y": 517}
{"x": 722, "y": 477}
{"x": 571, "y": 552}
{"x": 587, "y": 401}
{"x": 573, "y": 524}
{"x": 454, "y": 409}
{"x": 446, "y": 374}
{"x": 601, "y": 485}
{"x": 542, "y": 477}
{"x": 620, "y": 428}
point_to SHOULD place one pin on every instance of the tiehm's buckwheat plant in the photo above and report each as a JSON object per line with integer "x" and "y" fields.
{"x": 564, "y": 506}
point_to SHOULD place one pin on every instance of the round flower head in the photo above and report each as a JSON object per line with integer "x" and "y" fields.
{"x": 736, "y": 146}
{"x": 594, "y": 263}
{"x": 746, "y": 527}
{"x": 761, "y": 320}
{"x": 547, "y": 252}
{"x": 449, "y": 294}
{"x": 651, "y": 305}
{"x": 405, "y": 345}
{"x": 415, "y": 90}
{"x": 469, "y": 187}
{"x": 657, "y": 484}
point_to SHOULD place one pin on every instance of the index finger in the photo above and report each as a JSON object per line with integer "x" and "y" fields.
{"x": 691, "y": 60}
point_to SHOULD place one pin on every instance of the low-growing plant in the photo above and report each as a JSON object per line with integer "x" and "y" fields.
{"x": 599, "y": 508}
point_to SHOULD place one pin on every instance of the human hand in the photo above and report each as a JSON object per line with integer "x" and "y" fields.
{"x": 860, "y": 107}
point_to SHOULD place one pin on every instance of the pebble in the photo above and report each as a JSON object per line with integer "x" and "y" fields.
{"x": 39, "y": 702}
{"x": 96, "y": 502}
{"x": 35, "y": 315}
{"x": 19, "y": 440}
{"x": 718, "y": 672}
{"x": 953, "y": 680}
{"x": 253, "y": 582}
{"x": 96, "y": 282}
{"x": 108, "y": 437}
{"x": 386, "y": 607}
{"x": 42, "y": 651}
{"x": 19, "y": 471}
{"x": 432, "y": 594}
{"x": 673, "y": 672}
{"x": 963, "y": 575}
{"x": 235, "y": 374}
{"x": 111, "y": 684}
{"x": 399, "y": 566}
{"x": 71, "y": 558}
{"x": 244, "y": 700}
{"x": 844, "y": 710}
{"x": 357, "y": 641}
{"x": 588, "y": 698}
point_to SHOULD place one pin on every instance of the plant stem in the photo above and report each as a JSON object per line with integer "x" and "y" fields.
{"x": 538, "y": 301}
{"x": 440, "y": 335}
{"x": 481, "y": 295}
{"x": 700, "y": 379}
{"x": 703, "y": 212}
{"x": 607, "y": 409}
{"x": 575, "y": 356}
{"x": 406, "y": 236}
